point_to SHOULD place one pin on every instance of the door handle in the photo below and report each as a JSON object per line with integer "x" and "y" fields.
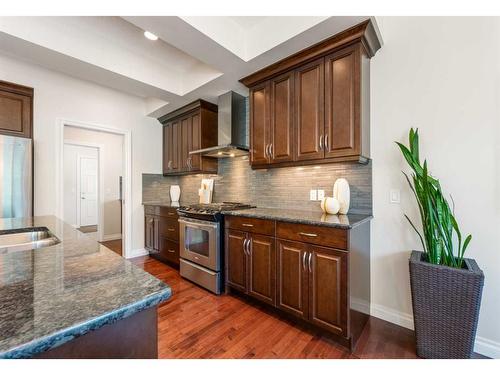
{"x": 171, "y": 251}
{"x": 247, "y": 225}
{"x": 304, "y": 261}
{"x": 169, "y": 165}
{"x": 270, "y": 151}
{"x": 266, "y": 151}
{"x": 82, "y": 197}
{"x": 321, "y": 142}
{"x": 309, "y": 262}
{"x": 326, "y": 145}
{"x": 308, "y": 234}
{"x": 171, "y": 229}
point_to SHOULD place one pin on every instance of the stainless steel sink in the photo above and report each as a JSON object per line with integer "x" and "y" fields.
{"x": 26, "y": 239}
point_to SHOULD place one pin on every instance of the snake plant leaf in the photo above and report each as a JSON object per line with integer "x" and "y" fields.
{"x": 418, "y": 233}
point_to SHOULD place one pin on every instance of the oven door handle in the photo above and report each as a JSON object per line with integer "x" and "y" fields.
{"x": 198, "y": 223}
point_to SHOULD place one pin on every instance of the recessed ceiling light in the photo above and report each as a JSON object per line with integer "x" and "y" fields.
{"x": 150, "y": 36}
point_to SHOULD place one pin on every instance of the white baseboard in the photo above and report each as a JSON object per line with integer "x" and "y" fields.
{"x": 482, "y": 345}
{"x": 111, "y": 237}
{"x": 138, "y": 253}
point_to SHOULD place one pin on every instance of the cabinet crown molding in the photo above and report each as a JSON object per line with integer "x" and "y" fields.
{"x": 197, "y": 104}
{"x": 363, "y": 33}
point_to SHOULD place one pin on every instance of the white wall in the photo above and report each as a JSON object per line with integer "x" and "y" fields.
{"x": 70, "y": 167}
{"x": 58, "y": 96}
{"x": 442, "y": 76}
{"x": 111, "y": 161}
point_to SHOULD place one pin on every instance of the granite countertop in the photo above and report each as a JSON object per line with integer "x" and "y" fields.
{"x": 167, "y": 203}
{"x": 304, "y": 217}
{"x": 51, "y": 295}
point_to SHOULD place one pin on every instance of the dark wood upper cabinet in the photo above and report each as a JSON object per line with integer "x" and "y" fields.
{"x": 329, "y": 84}
{"x": 16, "y": 110}
{"x": 327, "y": 288}
{"x": 309, "y": 117}
{"x": 261, "y": 267}
{"x": 259, "y": 123}
{"x": 193, "y": 127}
{"x": 281, "y": 118}
{"x": 292, "y": 283}
{"x": 342, "y": 103}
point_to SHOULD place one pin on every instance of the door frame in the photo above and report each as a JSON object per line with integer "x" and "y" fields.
{"x": 127, "y": 176}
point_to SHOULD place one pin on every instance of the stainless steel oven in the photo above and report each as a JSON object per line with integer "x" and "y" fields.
{"x": 200, "y": 252}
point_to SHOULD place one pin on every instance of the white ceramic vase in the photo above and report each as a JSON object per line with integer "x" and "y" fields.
{"x": 330, "y": 205}
{"x": 342, "y": 192}
{"x": 175, "y": 193}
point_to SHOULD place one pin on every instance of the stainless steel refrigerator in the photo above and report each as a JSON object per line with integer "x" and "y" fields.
{"x": 16, "y": 177}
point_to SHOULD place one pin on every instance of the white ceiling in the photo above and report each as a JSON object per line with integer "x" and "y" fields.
{"x": 195, "y": 57}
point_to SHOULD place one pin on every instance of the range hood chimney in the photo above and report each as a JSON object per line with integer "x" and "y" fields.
{"x": 232, "y": 129}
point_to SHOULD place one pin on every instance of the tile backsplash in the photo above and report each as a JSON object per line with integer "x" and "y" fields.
{"x": 275, "y": 188}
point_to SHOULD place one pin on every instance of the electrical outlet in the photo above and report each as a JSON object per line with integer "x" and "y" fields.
{"x": 395, "y": 196}
{"x": 321, "y": 195}
{"x": 313, "y": 194}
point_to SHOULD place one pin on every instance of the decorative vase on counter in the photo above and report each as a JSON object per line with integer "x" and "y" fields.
{"x": 330, "y": 205}
{"x": 175, "y": 193}
{"x": 342, "y": 193}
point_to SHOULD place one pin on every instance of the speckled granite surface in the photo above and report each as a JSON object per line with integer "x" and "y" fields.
{"x": 303, "y": 217}
{"x": 51, "y": 295}
{"x": 168, "y": 203}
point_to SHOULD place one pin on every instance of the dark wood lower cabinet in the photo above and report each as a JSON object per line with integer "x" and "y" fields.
{"x": 161, "y": 233}
{"x": 135, "y": 337}
{"x": 251, "y": 264}
{"x": 236, "y": 260}
{"x": 328, "y": 288}
{"x": 324, "y": 286}
{"x": 292, "y": 278}
{"x": 262, "y": 268}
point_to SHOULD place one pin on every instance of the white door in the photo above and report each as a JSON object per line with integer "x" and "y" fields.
{"x": 88, "y": 191}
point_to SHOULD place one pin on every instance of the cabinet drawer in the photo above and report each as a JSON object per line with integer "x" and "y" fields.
{"x": 170, "y": 212}
{"x": 331, "y": 237}
{"x": 249, "y": 224}
{"x": 169, "y": 228}
{"x": 169, "y": 250}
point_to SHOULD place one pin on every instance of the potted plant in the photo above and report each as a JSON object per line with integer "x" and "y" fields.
{"x": 446, "y": 288}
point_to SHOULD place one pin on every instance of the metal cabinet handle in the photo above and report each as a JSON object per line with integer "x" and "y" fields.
{"x": 304, "y": 260}
{"x": 171, "y": 229}
{"x": 267, "y": 150}
{"x": 310, "y": 259}
{"x": 249, "y": 247}
{"x": 245, "y": 246}
{"x": 171, "y": 251}
{"x": 321, "y": 142}
{"x": 247, "y": 225}
{"x": 171, "y": 214}
{"x": 271, "y": 151}
{"x": 308, "y": 234}
{"x": 169, "y": 165}
{"x": 326, "y": 145}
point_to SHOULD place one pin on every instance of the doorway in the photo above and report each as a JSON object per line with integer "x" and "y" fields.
{"x": 96, "y": 189}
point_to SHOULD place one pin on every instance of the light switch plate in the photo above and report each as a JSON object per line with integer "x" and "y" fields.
{"x": 321, "y": 194}
{"x": 313, "y": 195}
{"x": 395, "y": 196}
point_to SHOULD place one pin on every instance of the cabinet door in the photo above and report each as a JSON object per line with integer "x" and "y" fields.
{"x": 185, "y": 142}
{"x": 149, "y": 232}
{"x": 195, "y": 139}
{"x": 167, "y": 148}
{"x": 262, "y": 268}
{"x": 342, "y": 104}
{"x": 328, "y": 289}
{"x": 259, "y": 124}
{"x": 292, "y": 278}
{"x": 15, "y": 114}
{"x": 236, "y": 261}
{"x": 281, "y": 118}
{"x": 175, "y": 146}
{"x": 309, "y": 102}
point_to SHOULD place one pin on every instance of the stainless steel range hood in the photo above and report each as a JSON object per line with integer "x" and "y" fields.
{"x": 232, "y": 129}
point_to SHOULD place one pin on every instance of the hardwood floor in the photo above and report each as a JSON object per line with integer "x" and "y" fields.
{"x": 114, "y": 245}
{"x": 195, "y": 323}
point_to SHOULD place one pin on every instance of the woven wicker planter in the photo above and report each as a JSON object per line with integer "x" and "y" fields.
{"x": 446, "y": 305}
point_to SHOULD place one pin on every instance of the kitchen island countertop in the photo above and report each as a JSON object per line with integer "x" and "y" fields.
{"x": 52, "y": 295}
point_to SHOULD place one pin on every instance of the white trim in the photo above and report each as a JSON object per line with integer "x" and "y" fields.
{"x": 138, "y": 253}
{"x": 482, "y": 345}
{"x": 127, "y": 173}
{"x": 112, "y": 237}
{"x": 360, "y": 305}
